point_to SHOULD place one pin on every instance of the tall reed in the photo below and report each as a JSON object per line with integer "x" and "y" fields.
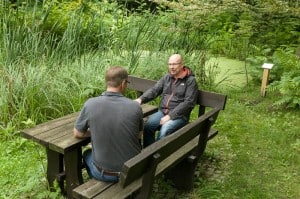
{"x": 46, "y": 74}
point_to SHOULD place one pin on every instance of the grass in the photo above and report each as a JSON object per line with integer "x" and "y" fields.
{"x": 255, "y": 155}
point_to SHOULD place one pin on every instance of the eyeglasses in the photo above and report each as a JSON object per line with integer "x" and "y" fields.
{"x": 174, "y": 64}
{"x": 128, "y": 82}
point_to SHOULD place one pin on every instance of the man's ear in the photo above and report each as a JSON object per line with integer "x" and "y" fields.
{"x": 123, "y": 85}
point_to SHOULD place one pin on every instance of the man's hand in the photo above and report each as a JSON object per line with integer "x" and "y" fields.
{"x": 79, "y": 134}
{"x": 138, "y": 100}
{"x": 164, "y": 119}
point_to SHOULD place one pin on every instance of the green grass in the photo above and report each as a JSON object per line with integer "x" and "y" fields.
{"x": 22, "y": 170}
{"x": 255, "y": 155}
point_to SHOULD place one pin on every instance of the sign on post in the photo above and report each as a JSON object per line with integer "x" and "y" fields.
{"x": 267, "y": 67}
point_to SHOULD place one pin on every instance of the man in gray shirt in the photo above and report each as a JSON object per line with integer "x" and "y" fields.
{"x": 114, "y": 123}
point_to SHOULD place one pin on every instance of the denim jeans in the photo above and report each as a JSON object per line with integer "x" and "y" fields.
{"x": 93, "y": 171}
{"x": 152, "y": 125}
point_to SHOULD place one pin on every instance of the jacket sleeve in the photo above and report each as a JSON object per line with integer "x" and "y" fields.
{"x": 184, "y": 108}
{"x": 153, "y": 92}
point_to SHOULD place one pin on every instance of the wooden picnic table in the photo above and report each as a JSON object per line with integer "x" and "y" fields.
{"x": 64, "y": 151}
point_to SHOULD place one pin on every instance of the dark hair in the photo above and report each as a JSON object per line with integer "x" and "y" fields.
{"x": 115, "y": 75}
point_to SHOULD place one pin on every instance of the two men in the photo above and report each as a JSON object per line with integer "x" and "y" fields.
{"x": 114, "y": 122}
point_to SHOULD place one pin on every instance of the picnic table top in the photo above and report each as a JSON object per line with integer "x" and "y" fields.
{"x": 57, "y": 134}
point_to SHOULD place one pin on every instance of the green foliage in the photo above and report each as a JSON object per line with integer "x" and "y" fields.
{"x": 40, "y": 93}
{"x": 240, "y": 26}
{"x": 289, "y": 83}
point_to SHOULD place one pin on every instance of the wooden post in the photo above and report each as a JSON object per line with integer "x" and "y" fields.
{"x": 264, "y": 82}
{"x": 265, "y": 78}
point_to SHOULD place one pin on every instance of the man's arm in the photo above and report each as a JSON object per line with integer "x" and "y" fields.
{"x": 79, "y": 134}
{"x": 153, "y": 92}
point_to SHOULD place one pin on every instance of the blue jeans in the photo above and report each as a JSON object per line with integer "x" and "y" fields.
{"x": 152, "y": 125}
{"x": 93, "y": 171}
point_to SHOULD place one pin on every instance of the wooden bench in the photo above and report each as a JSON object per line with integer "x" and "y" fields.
{"x": 175, "y": 156}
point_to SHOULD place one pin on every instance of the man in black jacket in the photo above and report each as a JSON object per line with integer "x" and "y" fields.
{"x": 178, "y": 90}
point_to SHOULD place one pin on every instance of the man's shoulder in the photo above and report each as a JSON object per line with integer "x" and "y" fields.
{"x": 93, "y": 99}
{"x": 131, "y": 102}
{"x": 166, "y": 77}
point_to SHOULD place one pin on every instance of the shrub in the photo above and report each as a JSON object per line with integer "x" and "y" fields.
{"x": 289, "y": 83}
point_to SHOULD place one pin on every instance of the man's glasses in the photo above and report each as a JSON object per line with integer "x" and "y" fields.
{"x": 174, "y": 64}
{"x": 128, "y": 82}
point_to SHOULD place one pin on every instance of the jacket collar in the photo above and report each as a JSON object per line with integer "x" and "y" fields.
{"x": 184, "y": 73}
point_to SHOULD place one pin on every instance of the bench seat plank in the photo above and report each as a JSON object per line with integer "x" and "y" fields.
{"x": 148, "y": 109}
{"x": 91, "y": 188}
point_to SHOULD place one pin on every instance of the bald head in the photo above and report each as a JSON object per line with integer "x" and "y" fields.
{"x": 176, "y": 58}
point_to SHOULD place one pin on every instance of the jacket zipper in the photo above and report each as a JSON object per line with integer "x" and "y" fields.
{"x": 172, "y": 94}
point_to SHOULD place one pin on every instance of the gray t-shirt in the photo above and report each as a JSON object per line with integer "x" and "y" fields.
{"x": 114, "y": 122}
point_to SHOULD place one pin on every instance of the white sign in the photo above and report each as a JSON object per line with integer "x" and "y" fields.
{"x": 267, "y": 66}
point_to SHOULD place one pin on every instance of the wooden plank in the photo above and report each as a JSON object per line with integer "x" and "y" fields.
{"x": 67, "y": 142}
{"x": 48, "y": 125}
{"x": 212, "y": 133}
{"x": 117, "y": 192}
{"x": 56, "y": 133}
{"x": 91, "y": 188}
{"x": 140, "y": 84}
{"x": 73, "y": 170}
{"x": 148, "y": 109}
{"x": 37, "y": 131}
{"x": 210, "y": 99}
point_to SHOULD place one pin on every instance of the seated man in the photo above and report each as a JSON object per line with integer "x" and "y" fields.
{"x": 178, "y": 90}
{"x": 114, "y": 123}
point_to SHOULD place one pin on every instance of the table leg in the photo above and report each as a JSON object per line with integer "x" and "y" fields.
{"x": 73, "y": 167}
{"x": 54, "y": 167}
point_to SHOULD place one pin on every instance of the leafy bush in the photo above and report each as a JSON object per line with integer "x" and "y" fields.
{"x": 289, "y": 84}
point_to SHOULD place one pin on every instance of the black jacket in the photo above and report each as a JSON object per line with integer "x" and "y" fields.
{"x": 178, "y": 96}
